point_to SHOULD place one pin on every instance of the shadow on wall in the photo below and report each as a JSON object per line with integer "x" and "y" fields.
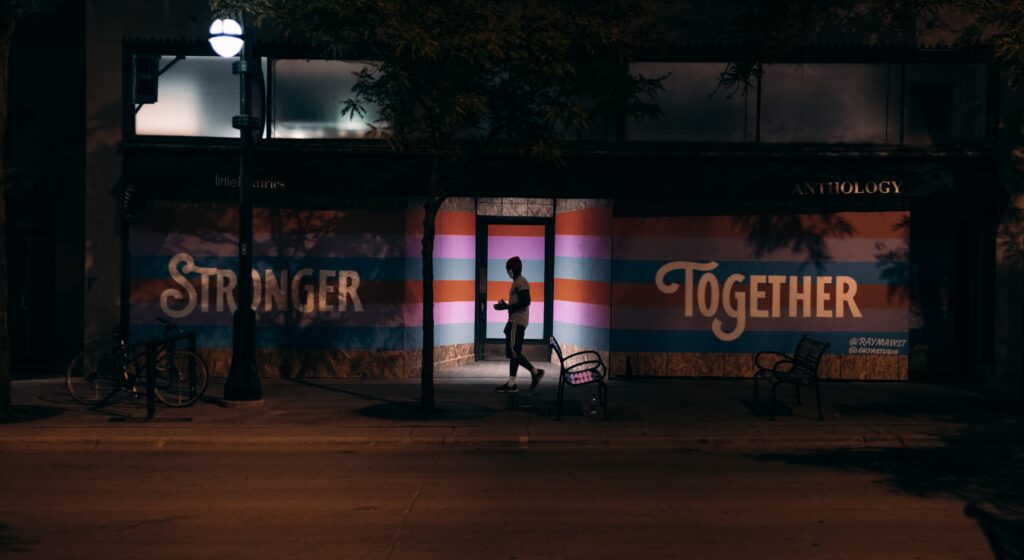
{"x": 316, "y": 227}
{"x": 768, "y": 233}
{"x": 291, "y": 237}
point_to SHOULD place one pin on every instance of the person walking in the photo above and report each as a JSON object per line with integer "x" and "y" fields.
{"x": 518, "y": 306}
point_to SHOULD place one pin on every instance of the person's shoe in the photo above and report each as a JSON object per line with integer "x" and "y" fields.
{"x": 535, "y": 378}
{"x": 507, "y": 388}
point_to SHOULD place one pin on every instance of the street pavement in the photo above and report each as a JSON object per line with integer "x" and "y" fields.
{"x": 448, "y": 504}
{"x": 652, "y": 413}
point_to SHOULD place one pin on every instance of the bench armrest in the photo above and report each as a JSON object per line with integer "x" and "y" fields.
{"x": 588, "y": 365}
{"x": 597, "y": 357}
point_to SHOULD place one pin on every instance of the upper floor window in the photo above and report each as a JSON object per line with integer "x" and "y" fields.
{"x": 692, "y": 108}
{"x": 196, "y": 97}
{"x": 830, "y": 103}
{"x": 309, "y": 96}
{"x": 841, "y": 103}
{"x": 945, "y": 104}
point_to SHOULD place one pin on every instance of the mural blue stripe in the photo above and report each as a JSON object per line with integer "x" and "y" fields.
{"x": 591, "y": 338}
{"x": 534, "y": 331}
{"x": 444, "y": 269}
{"x": 752, "y": 342}
{"x": 338, "y": 338}
{"x": 593, "y": 270}
{"x": 532, "y": 270}
{"x": 643, "y": 272}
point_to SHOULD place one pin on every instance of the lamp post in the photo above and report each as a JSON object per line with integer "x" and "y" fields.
{"x": 243, "y": 382}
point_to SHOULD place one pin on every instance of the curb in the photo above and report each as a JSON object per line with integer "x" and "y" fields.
{"x": 269, "y": 443}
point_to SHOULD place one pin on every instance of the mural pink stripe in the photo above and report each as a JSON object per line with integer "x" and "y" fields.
{"x": 587, "y": 314}
{"x": 445, "y": 246}
{"x": 736, "y": 249}
{"x": 526, "y": 248}
{"x": 583, "y": 246}
{"x": 495, "y": 316}
{"x": 445, "y": 313}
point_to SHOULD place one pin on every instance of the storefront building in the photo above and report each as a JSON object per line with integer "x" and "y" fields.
{"x": 850, "y": 196}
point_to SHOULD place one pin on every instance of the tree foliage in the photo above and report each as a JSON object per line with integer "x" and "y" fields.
{"x": 776, "y": 29}
{"x": 461, "y": 79}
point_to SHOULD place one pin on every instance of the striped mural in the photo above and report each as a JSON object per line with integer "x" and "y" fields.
{"x": 339, "y": 292}
{"x": 689, "y": 291}
{"x": 454, "y": 277}
{"x": 325, "y": 281}
{"x": 505, "y": 241}
{"x": 582, "y": 298}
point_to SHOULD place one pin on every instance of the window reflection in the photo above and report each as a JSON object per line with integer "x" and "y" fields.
{"x": 690, "y": 111}
{"x": 196, "y": 97}
{"x": 945, "y": 104}
{"x": 829, "y": 103}
{"x": 309, "y": 96}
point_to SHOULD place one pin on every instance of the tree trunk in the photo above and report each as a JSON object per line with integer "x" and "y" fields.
{"x": 6, "y": 32}
{"x": 427, "y": 363}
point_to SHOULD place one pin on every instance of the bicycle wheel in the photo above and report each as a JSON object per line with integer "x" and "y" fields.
{"x": 93, "y": 376}
{"x": 181, "y": 378}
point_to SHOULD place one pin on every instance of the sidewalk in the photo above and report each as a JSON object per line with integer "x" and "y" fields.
{"x": 644, "y": 413}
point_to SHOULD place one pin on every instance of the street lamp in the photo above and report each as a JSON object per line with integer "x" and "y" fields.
{"x": 243, "y": 384}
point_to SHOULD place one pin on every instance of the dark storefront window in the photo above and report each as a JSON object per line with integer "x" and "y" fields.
{"x": 945, "y": 104}
{"x": 309, "y": 96}
{"x": 693, "y": 110}
{"x": 829, "y": 103}
{"x": 197, "y": 96}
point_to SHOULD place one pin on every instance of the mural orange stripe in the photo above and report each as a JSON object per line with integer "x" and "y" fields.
{"x": 869, "y": 296}
{"x": 589, "y": 221}
{"x": 515, "y": 230}
{"x": 448, "y": 222}
{"x": 499, "y": 290}
{"x": 444, "y": 290}
{"x": 582, "y": 291}
{"x": 456, "y": 223}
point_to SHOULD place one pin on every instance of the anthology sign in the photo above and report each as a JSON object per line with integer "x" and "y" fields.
{"x": 889, "y": 187}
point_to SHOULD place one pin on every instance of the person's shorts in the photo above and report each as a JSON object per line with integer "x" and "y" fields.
{"x": 514, "y": 339}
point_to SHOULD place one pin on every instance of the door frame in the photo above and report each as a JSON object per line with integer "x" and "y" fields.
{"x": 480, "y": 330}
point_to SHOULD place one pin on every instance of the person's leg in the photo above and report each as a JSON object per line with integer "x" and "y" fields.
{"x": 536, "y": 374}
{"x": 520, "y": 334}
{"x": 514, "y": 342}
{"x": 510, "y": 353}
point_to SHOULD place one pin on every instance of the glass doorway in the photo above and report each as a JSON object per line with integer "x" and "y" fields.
{"x": 499, "y": 239}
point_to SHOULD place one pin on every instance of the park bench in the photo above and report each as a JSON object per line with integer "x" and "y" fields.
{"x": 798, "y": 369}
{"x": 580, "y": 368}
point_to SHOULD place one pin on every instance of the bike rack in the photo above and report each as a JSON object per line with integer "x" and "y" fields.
{"x": 151, "y": 348}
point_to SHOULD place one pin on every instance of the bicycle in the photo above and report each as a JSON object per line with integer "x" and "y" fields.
{"x": 97, "y": 373}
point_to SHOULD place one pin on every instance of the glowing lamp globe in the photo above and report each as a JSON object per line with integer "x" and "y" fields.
{"x": 226, "y": 37}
